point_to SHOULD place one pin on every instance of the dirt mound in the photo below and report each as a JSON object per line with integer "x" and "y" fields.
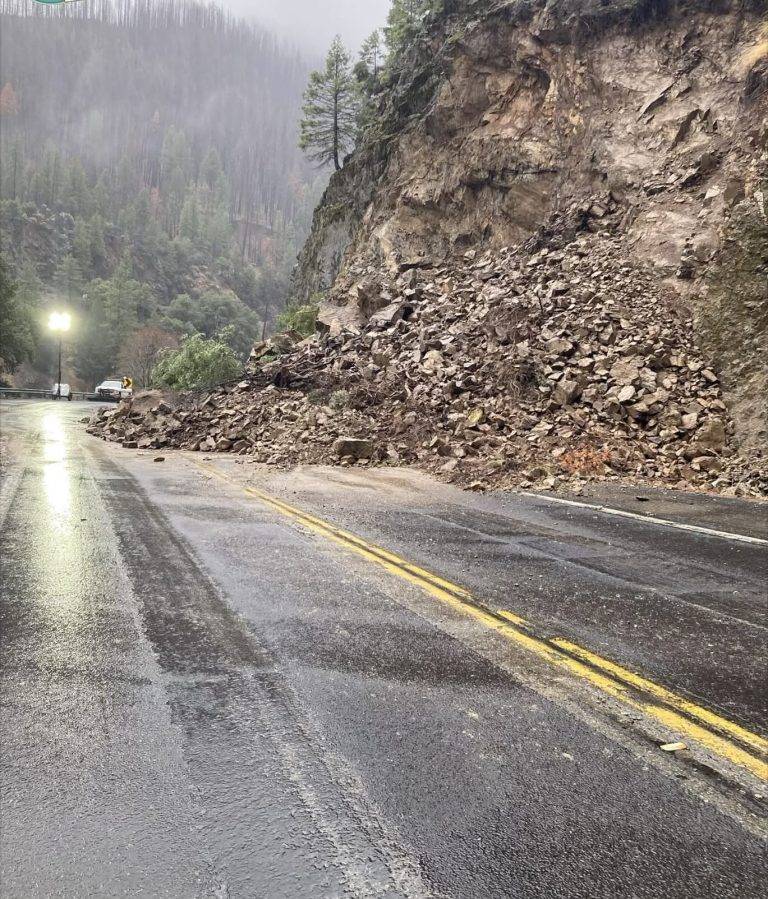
{"x": 540, "y": 365}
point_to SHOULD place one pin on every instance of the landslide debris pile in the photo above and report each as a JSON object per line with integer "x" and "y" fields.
{"x": 545, "y": 364}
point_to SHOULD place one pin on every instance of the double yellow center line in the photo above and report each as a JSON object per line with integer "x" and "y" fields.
{"x": 720, "y": 736}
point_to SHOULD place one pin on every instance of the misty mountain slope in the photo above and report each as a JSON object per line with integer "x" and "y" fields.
{"x": 150, "y": 144}
{"x": 103, "y": 84}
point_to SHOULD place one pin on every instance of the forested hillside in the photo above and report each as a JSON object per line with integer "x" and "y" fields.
{"x": 150, "y": 172}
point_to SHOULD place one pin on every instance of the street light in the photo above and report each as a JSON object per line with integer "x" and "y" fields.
{"x": 59, "y": 323}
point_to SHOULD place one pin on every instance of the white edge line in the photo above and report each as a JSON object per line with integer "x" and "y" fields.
{"x": 649, "y": 519}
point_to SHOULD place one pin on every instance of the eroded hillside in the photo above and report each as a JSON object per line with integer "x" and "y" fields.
{"x": 532, "y": 105}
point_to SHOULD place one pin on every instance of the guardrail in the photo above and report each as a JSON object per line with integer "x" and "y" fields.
{"x": 30, "y": 394}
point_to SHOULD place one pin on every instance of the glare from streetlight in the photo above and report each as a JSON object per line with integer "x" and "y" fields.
{"x": 60, "y": 321}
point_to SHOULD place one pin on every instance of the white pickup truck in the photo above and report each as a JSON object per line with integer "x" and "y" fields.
{"x": 112, "y": 389}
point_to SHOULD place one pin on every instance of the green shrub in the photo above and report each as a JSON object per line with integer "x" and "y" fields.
{"x": 339, "y": 400}
{"x": 199, "y": 362}
{"x": 299, "y": 318}
{"x": 317, "y": 397}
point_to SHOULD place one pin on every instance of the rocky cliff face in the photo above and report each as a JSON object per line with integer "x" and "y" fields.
{"x": 506, "y": 112}
{"x": 517, "y": 110}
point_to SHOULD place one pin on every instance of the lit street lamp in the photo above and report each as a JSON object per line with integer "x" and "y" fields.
{"x": 59, "y": 323}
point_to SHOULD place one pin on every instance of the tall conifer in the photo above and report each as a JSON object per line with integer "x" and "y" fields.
{"x": 331, "y": 101}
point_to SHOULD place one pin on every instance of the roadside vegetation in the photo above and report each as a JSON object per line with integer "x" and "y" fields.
{"x": 18, "y": 326}
{"x": 198, "y": 362}
{"x": 302, "y": 319}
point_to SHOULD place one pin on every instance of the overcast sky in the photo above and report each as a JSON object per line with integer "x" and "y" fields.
{"x": 315, "y": 22}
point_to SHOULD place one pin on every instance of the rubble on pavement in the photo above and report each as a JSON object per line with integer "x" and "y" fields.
{"x": 539, "y": 366}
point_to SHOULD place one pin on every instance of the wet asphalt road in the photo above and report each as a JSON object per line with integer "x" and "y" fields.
{"x": 201, "y": 699}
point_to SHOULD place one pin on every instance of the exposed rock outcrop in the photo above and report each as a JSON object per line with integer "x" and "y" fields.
{"x": 501, "y": 116}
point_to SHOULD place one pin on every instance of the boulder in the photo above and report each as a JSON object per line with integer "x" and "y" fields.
{"x": 353, "y": 447}
{"x": 336, "y": 319}
{"x": 387, "y": 316}
{"x": 712, "y": 434}
{"x": 145, "y": 400}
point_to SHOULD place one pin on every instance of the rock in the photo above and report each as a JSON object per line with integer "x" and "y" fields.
{"x": 388, "y": 315}
{"x": 625, "y": 373}
{"x": 712, "y": 435}
{"x": 734, "y": 192}
{"x": 565, "y": 393}
{"x": 414, "y": 260}
{"x": 336, "y": 319}
{"x": 145, "y": 400}
{"x": 476, "y": 417}
{"x": 657, "y": 99}
{"x": 626, "y": 394}
{"x": 558, "y": 346}
{"x": 353, "y": 447}
{"x": 282, "y": 343}
{"x": 433, "y": 360}
{"x": 707, "y": 463}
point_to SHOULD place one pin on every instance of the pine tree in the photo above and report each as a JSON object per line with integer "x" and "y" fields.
{"x": 212, "y": 175}
{"x": 368, "y": 74}
{"x": 101, "y": 196}
{"x": 76, "y": 189}
{"x": 372, "y": 55}
{"x": 98, "y": 244}
{"x": 52, "y": 174}
{"x": 175, "y": 175}
{"x": 189, "y": 224}
{"x": 69, "y": 278}
{"x": 81, "y": 246}
{"x": 403, "y": 23}
{"x": 331, "y": 101}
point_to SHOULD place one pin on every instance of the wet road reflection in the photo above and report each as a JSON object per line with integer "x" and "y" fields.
{"x": 80, "y": 721}
{"x": 56, "y": 473}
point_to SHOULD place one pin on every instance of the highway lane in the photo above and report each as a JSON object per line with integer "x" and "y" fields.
{"x": 204, "y": 697}
{"x": 687, "y": 609}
